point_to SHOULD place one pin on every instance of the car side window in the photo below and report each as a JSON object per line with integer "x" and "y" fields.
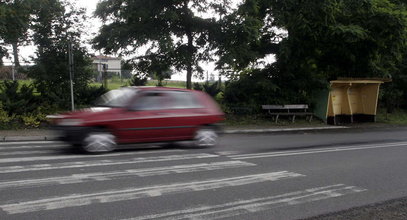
{"x": 181, "y": 100}
{"x": 150, "y": 101}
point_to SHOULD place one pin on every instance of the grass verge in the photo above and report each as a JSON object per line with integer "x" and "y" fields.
{"x": 397, "y": 117}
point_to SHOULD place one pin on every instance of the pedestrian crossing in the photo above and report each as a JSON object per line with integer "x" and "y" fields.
{"x": 42, "y": 183}
{"x": 240, "y": 207}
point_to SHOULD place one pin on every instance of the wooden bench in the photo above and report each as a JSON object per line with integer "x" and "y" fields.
{"x": 289, "y": 110}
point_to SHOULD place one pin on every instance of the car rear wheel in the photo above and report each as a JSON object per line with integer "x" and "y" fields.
{"x": 205, "y": 137}
{"x": 99, "y": 142}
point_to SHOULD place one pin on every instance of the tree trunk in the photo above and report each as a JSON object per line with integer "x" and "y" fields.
{"x": 190, "y": 55}
{"x": 15, "y": 54}
{"x": 190, "y": 60}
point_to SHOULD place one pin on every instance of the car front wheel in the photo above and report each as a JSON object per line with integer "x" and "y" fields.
{"x": 205, "y": 137}
{"x": 99, "y": 142}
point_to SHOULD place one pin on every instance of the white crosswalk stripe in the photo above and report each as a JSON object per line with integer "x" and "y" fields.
{"x": 68, "y": 157}
{"x": 137, "y": 193}
{"x": 95, "y": 163}
{"x": 207, "y": 170}
{"x": 241, "y": 207}
{"x": 315, "y": 151}
{"x": 102, "y": 176}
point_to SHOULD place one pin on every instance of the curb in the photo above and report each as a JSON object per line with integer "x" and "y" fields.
{"x": 27, "y": 138}
{"x": 228, "y": 131}
{"x": 248, "y": 131}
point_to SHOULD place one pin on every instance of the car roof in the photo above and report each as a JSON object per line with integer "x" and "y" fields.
{"x": 149, "y": 88}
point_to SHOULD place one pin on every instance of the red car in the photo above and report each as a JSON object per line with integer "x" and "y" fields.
{"x": 142, "y": 115}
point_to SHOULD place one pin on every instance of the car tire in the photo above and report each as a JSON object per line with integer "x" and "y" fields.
{"x": 205, "y": 137}
{"x": 99, "y": 142}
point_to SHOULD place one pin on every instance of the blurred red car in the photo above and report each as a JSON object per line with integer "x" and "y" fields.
{"x": 142, "y": 115}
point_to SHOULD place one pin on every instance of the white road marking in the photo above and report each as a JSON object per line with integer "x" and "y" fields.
{"x": 281, "y": 129}
{"x": 137, "y": 193}
{"x": 315, "y": 151}
{"x": 87, "y": 177}
{"x": 232, "y": 209}
{"x": 225, "y": 153}
{"x": 64, "y": 157}
{"x": 94, "y": 163}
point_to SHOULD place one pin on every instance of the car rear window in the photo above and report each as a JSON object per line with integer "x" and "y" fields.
{"x": 150, "y": 101}
{"x": 181, "y": 99}
{"x": 116, "y": 98}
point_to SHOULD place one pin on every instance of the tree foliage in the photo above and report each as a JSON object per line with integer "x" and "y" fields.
{"x": 246, "y": 36}
{"x": 55, "y": 26}
{"x": 347, "y": 38}
{"x": 313, "y": 42}
{"x": 171, "y": 30}
{"x": 15, "y": 17}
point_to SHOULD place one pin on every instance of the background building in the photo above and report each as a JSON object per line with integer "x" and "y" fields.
{"x": 112, "y": 65}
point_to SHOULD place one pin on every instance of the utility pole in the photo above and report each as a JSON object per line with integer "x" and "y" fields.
{"x": 13, "y": 71}
{"x": 105, "y": 67}
{"x": 71, "y": 72}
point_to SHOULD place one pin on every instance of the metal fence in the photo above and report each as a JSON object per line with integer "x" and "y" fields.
{"x": 12, "y": 73}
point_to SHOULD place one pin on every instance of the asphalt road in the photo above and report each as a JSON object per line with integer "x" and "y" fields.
{"x": 258, "y": 176}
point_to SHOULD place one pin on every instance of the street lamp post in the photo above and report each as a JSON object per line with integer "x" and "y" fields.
{"x": 71, "y": 72}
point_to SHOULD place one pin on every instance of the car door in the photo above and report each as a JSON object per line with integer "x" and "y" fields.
{"x": 186, "y": 114}
{"x": 147, "y": 118}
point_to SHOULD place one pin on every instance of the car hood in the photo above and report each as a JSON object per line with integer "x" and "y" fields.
{"x": 88, "y": 113}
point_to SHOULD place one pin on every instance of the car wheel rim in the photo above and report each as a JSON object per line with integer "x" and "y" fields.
{"x": 99, "y": 142}
{"x": 206, "y": 137}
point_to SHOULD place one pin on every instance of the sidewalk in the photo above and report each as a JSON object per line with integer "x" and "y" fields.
{"x": 48, "y": 135}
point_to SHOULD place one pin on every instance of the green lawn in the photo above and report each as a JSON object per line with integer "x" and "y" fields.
{"x": 117, "y": 83}
{"x": 397, "y": 117}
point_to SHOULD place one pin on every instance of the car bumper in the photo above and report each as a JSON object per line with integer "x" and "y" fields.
{"x": 71, "y": 134}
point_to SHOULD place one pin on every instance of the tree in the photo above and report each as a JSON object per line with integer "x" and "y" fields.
{"x": 172, "y": 31}
{"x": 246, "y": 36}
{"x": 315, "y": 41}
{"x": 15, "y": 24}
{"x": 351, "y": 38}
{"x": 57, "y": 24}
{"x": 3, "y": 50}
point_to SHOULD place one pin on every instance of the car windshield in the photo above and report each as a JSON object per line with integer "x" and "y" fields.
{"x": 116, "y": 98}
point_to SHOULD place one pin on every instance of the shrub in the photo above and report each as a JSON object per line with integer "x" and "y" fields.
{"x": 20, "y": 107}
{"x": 211, "y": 89}
{"x": 17, "y": 101}
{"x": 89, "y": 95}
{"x": 31, "y": 121}
{"x": 138, "y": 80}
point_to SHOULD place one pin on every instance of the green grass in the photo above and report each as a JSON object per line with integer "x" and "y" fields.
{"x": 117, "y": 83}
{"x": 397, "y": 117}
{"x": 261, "y": 121}
{"x": 26, "y": 82}
{"x": 168, "y": 83}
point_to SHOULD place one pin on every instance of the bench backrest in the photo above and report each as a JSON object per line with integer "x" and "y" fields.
{"x": 279, "y": 107}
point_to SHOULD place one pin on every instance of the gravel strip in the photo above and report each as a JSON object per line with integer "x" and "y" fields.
{"x": 393, "y": 209}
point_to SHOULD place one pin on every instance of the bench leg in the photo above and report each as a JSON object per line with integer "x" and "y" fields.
{"x": 310, "y": 118}
{"x": 293, "y": 118}
{"x": 277, "y": 118}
